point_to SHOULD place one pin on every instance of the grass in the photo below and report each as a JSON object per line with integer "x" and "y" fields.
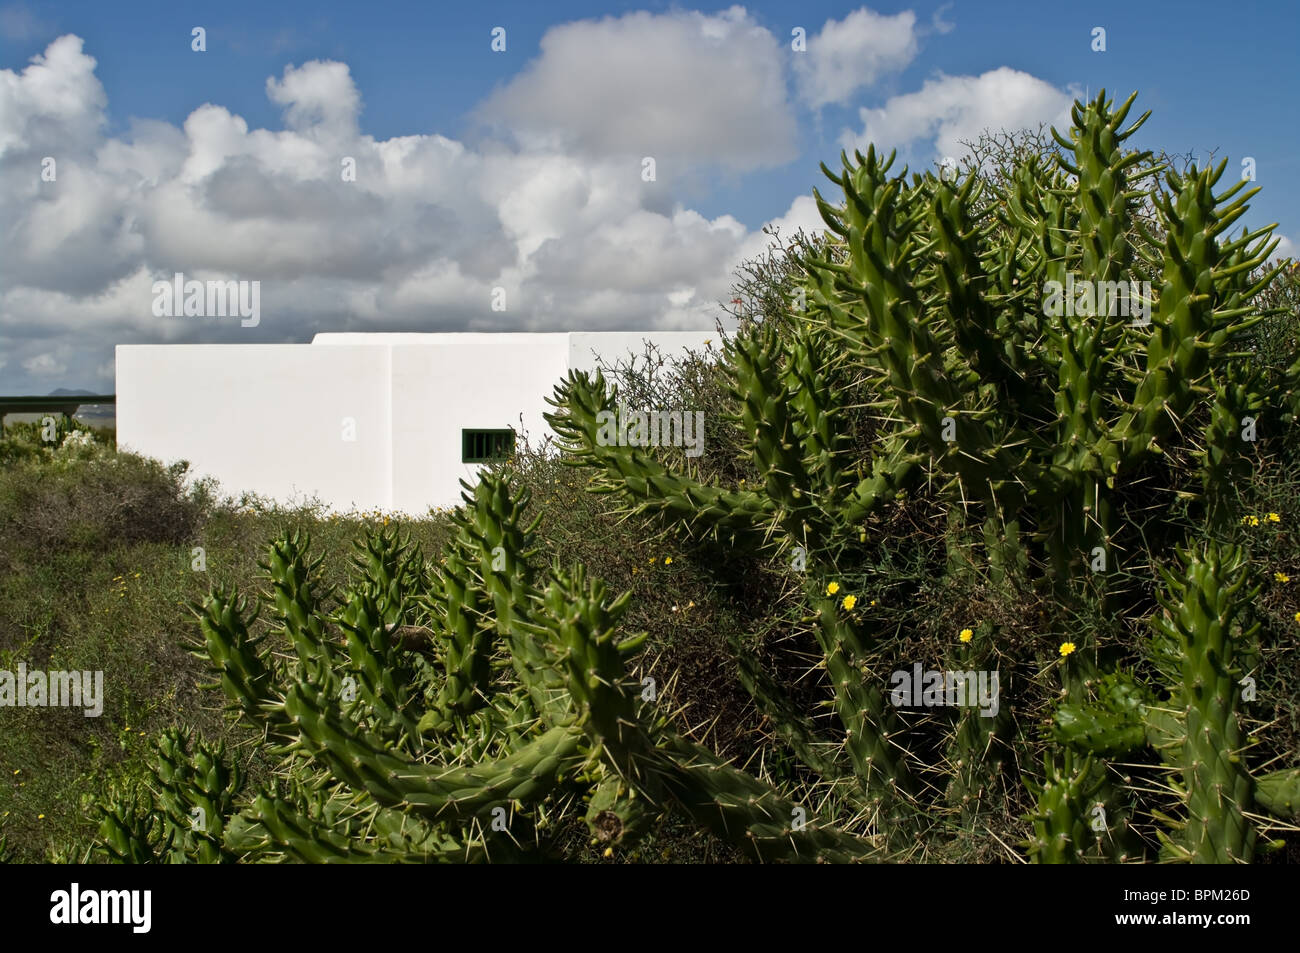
{"x": 97, "y": 556}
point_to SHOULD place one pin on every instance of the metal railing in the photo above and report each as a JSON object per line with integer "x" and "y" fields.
{"x": 54, "y": 404}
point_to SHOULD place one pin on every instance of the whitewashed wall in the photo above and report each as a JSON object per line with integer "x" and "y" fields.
{"x": 262, "y": 417}
{"x": 272, "y": 419}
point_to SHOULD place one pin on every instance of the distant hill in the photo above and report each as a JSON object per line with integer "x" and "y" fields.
{"x": 98, "y": 412}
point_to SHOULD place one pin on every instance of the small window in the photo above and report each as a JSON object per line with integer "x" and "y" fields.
{"x": 485, "y": 446}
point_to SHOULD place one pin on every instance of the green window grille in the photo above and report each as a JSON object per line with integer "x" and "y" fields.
{"x": 484, "y": 446}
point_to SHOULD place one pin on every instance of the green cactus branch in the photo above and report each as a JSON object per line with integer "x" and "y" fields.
{"x": 472, "y": 767}
{"x": 1199, "y": 642}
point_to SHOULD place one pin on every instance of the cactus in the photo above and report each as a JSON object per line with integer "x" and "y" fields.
{"x": 1037, "y": 419}
{"x": 1056, "y": 436}
{"x": 196, "y": 791}
{"x": 132, "y": 831}
{"x": 979, "y": 748}
{"x": 442, "y": 749}
{"x": 1066, "y": 799}
{"x": 1199, "y": 644}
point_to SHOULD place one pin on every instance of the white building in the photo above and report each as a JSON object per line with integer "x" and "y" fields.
{"x": 371, "y": 421}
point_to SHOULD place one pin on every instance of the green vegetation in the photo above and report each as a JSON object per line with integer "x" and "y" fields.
{"x": 909, "y": 461}
{"x": 1055, "y": 441}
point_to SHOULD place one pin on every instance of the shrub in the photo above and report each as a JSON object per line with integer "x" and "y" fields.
{"x": 76, "y": 498}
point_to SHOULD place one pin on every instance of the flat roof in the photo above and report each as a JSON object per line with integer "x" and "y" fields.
{"x": 428, "y": 337}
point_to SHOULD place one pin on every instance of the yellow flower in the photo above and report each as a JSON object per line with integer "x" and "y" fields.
{"x": 832, "y": 589}
{"x": 40, "y": 817}
{"x": 1066, "y": 648}
{"x": 966, "y": 635}
{"x": 1297, "y": 616}
{"x": 850, "y": 602}
{"x": 1274, "y": 518}
{"x": 668, "y": 560}
{"x": 1281, "y": 577}
{"x": 609, "y": 852}
{"x": 873, "y": 602}
{"x": 1250, "y": 521}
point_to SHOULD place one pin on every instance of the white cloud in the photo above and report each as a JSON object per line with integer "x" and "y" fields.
{"x": 430, "y": 226}
{"x": 1286, "y": 248}
{"x": 318, "y": 97}
{"x": 44, "y": 365}
{"x": 53, "y": 107}
{"x": 802, "y": 214}
{"x": 948, "y": 109}
{"x": 417, "y": 242}
{"x": 680, "y": 86}
{"x": 852, "y": 53}
{"x": 938, "y": 24}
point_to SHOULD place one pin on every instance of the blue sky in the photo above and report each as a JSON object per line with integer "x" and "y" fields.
{"x": 520, "y": 169}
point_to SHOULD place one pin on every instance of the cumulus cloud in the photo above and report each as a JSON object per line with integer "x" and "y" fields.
{"x": 801, "y": 216}
{"x": 852, "y": 53}
{"x": 54, "y": 106}
{"x": 679, "y": 86}
{"x": 419, "y": 240}
{"x": 555, "y": 213}
{"x": 949, "y": 109}
{"x": 319, "y": 97}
